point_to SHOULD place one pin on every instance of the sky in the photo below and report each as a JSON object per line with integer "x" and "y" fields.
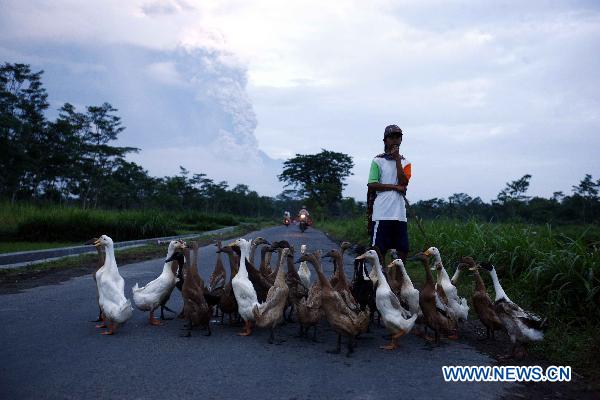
{"x": 485, "y": 92}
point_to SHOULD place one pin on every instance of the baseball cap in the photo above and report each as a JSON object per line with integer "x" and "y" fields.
{"x": 392, "y": 130}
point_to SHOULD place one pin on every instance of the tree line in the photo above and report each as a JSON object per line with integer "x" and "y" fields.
{"x": 513, "y": 204}
{"x": 71, "y": 160}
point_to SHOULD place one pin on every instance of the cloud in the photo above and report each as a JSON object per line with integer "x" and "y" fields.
{"x": 485, "y": 92}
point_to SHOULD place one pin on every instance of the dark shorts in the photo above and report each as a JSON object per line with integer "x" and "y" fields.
{"x": 390, "y": 235}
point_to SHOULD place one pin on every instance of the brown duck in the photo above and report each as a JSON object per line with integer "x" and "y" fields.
{"x": 269, "y": 314}
{"x": 433, "y": 317}
{"x": 227, "y": 302}
{"x": 481, "y": 300}
{"x": 341, "y": 283}
{"x": 342, "y": 318}
{"x": 334, "y": 277}
{"x": 196, "y": 310}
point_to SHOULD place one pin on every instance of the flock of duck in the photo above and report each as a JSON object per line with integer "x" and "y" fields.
{"x": 265, "y": 297}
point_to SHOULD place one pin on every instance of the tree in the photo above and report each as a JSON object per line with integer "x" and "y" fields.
{"x": 587, "y": 188}
{"x": 319, "y": 177}
{"x": 95, "y": 129}
{"x": 587, "y": 191}
{"x": 22, "y": 129}
{"x": 515, "y": 190}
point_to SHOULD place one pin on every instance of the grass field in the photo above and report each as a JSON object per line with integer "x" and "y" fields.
{"x": 552, "y": 271}
{"x": 22, "y": 225}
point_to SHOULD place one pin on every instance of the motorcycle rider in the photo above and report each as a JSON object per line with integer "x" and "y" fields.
{"x": 304, "y": 212}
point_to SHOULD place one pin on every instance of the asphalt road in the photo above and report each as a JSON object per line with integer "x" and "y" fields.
{"x": 48, "y": 349}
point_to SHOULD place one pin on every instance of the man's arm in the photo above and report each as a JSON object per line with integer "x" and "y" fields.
{"x": 402, "y": 178}
{"x": 382, "y": 187}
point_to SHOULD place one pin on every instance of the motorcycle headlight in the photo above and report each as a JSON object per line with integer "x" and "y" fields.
{"x": 303, "y": 216}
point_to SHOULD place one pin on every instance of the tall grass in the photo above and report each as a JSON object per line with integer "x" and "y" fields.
{"x": 555, "y": 272}
{"x": 24, "y": 222}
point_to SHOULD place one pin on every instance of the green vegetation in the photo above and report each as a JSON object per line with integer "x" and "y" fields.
{"x": 13, "y": 247}
{"x": 552, "y": 271}
{"x": 32, "y": 223}
{"x": 72, "y": 160}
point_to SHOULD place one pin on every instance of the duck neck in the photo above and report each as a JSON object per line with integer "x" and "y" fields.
{"x": 232, "y": 264}
{"x": 479, "y": 285}
{"x": 405, "y": 277}
{"x": 252, "y": 254}
{"x": 244, "y": 253}
{"x": 263, "y": 256}
{"x": 322, "y": 278}
{"x": 456, "y": 275}
{"x": 500, "y": 294}
{"x": 380, "y": 275}
{"x": 268, "y": 259}
{"x": 280, "y": 277}
{"x": 339, "y": 260}
{"x": 442, "y": 275}
{"x": 110, "y": 257}
{"x": 290, "y": 266}
{"x": 428, "y": 276}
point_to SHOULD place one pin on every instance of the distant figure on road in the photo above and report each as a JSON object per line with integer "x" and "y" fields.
{"x": 386, "y": 208}
{"x": 303, "y": 211}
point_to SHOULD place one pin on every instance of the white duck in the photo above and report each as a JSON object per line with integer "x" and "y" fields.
{"x": 303, "y": 271}
{"x": 156, "y": 292}
{"x": 408, "y": 294}
{"x": 456, "y": 307}
{"x": 396, "y": 318}
{"x": 522, "y": 326}
{"x": 243, "y": 290}
{"x": 116, "y": 308}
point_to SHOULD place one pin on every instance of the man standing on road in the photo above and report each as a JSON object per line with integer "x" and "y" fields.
{"x": 388, "y": 179}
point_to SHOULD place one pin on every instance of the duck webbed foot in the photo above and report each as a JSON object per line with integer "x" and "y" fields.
{"x": 453, "y": 335}
{"x": 101, "y": 319}
{"x": 153, "y": 321}
{"x": 247, "y": 329}
{"x": 112, "y": 328}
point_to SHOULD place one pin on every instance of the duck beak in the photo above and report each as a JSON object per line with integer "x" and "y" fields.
{"x": 361, "y": 257}
{"x": 91, "y": 241}
{"x": 97, "y": 243}
{"x": 427, "y": 253}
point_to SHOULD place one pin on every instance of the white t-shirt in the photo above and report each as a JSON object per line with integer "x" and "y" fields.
{"x": 389, "y": 205}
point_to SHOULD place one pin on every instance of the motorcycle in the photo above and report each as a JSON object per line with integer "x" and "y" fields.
{"x": 303, "y": 222}
{"x": 286, "y": 222}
